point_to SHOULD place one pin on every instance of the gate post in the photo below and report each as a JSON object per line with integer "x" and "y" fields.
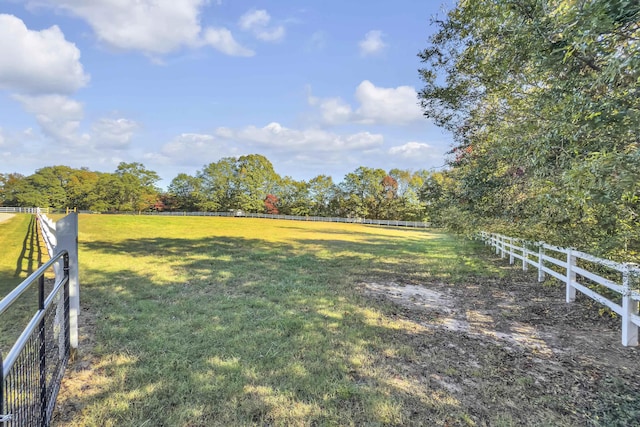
{"x": 67, "y": 235}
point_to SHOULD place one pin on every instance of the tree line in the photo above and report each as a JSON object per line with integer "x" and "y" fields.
{"x": 247, "y": 183}
{"x": 543, "y": 100}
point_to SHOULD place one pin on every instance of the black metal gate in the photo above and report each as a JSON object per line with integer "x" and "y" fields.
{"x": 33, "y": 368}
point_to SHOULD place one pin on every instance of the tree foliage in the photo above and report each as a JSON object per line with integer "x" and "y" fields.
{"x": 543, "y": 100}
{"x": 247, "y": 183}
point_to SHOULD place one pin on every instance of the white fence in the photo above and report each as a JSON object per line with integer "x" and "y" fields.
{"x": 11, "y": 209}
{"x": 58, "y": 237}
{"x": 571, "y": 268}
{"x": 242, "y": 214}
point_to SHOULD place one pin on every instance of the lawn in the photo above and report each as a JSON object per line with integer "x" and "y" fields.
{"x": 21, "y": 250}
{"x": 22, "y": 253}
{"x": 192, "y": 321}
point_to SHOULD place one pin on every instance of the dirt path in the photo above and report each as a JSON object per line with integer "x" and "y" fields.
{"x": 512, "y": 352}
{"x": 5, "y": 216}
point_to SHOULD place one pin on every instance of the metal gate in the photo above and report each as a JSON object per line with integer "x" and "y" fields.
{"x": 33, "y": 368}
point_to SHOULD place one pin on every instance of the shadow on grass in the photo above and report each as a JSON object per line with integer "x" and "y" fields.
{"x": 251, "y": 333}
{"x": 30, "y": 257}
{"x": 15, "y": 319}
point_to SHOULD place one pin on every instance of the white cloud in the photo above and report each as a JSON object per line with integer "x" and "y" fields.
{"x": 273, "y": 140}
{"x": 155, "y": 27}
{"x": 113, "y": 133}
{"x": 413, "y": 151}
{"x": 60, "y": 121}
{"x": 58, "y": 116}
{"x": 372, "y": 43}
{"x": 193, "y": 143}
{"x": 38, "y": 62}
{"x": 191, "y": 149}
{"x": 317, "y": 42}
{"x": 377, "y": 105}
{"x": 276, "y": 136}
{"x": 257, "y": 22}
{"x": 335, "y": 111}
{"x": 387, "y": 105}
{"x": 222, "y": 40}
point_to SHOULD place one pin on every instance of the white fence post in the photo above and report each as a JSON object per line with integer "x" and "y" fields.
{"x": 571, "y": 276}
{"x": 67, "y": 235}
{"x": 510, "y": 250}
{"x": 541, "y": 263}
{"x": 629, "y": 308}
{"x": 525, "y": 256}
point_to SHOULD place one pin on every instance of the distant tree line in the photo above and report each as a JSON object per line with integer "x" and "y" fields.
{"x": 248, "y": 183}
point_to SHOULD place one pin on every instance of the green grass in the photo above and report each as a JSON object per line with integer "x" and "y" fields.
{"x": 21, "y": 251}
{"x": 224, "y": 321}
{"x": 21, "y": 255}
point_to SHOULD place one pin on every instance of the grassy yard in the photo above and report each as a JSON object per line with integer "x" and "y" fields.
{"x": 224, "y": 321}
{"x": 21, "y": 250}
{"x": 22, "y": 253}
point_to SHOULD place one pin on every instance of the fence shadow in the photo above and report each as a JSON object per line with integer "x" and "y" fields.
{"x": 30, "y": 257}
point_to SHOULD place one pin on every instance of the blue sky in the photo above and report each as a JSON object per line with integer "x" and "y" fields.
{"x": 318, "y": 87}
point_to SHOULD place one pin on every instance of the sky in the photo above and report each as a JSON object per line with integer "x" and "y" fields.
{"x": 317, "y": 87}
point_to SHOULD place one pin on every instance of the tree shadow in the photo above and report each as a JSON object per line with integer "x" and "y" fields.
{"x": 246, "y": 331}
{"x": 249, "y": 332}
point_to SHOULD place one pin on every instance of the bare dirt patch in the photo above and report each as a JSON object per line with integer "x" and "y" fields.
{"x": 512, "y": 352}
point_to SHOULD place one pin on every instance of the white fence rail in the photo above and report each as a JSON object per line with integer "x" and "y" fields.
{"x": 241, "y": 214}
{"x": 571, "y": 267}
{"x": 59, "y": 237}
{"x": 12, "y": 209}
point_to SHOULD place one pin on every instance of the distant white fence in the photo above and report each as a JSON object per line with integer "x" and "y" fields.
{"x": 566, "y": 268}
{"x": 238, "y": 214}
{"x": 58, "y": 237}
{"x": 13, "y": 209}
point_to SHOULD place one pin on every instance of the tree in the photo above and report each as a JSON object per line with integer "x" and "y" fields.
{"x": 410, "y": 207}
{"x": 322, "y": 192}
{"x": 219, "y": 185}
{"x": 293, "y": 197}
{"x": 80, "y": 188}
{"x": 186, "y": 193}
{"x": 364, "y": 191}
{"x": 271, "y": 205}
{"x": 10, "y": 187}
{"x": 137, "y": 190}
{"x": 255, "y": 179}
{"x": 542, "y": 99}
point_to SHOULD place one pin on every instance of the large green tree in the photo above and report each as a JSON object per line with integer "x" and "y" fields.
{"x": 322, "y": 194}
{"x": 237, "y": 183}
{"x": 543, "y": 100}
{"x": 136, "y": 189}
{"x": 364, "y": 192}
{"x": 186, "y": 192}
{"x": 293, "y": 197}
{"x": 255, "y": 179}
